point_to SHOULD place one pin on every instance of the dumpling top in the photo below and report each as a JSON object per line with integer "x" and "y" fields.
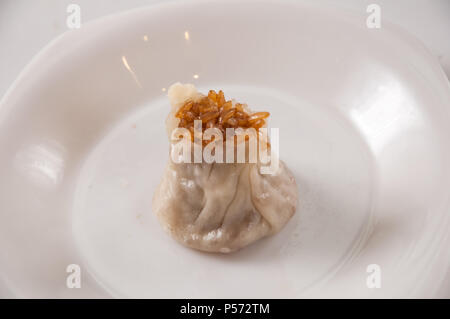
{"x": 220, "y": 207}
{"x": 213, "y": 110}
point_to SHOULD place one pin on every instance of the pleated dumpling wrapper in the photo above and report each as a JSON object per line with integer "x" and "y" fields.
{"x": 220, "y": 207}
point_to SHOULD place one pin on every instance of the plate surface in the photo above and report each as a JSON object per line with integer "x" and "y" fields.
{"x": 363, "y": 117}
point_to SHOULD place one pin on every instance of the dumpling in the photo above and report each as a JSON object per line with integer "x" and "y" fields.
{"x": 220, "y": 206}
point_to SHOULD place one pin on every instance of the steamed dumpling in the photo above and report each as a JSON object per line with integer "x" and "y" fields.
{"x": 220, "y": 207}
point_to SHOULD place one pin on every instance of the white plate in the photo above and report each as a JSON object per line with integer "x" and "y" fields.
{"x": 363, "y": 117}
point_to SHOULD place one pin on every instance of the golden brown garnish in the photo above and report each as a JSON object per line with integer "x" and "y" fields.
{"x": 216, "y": 112}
